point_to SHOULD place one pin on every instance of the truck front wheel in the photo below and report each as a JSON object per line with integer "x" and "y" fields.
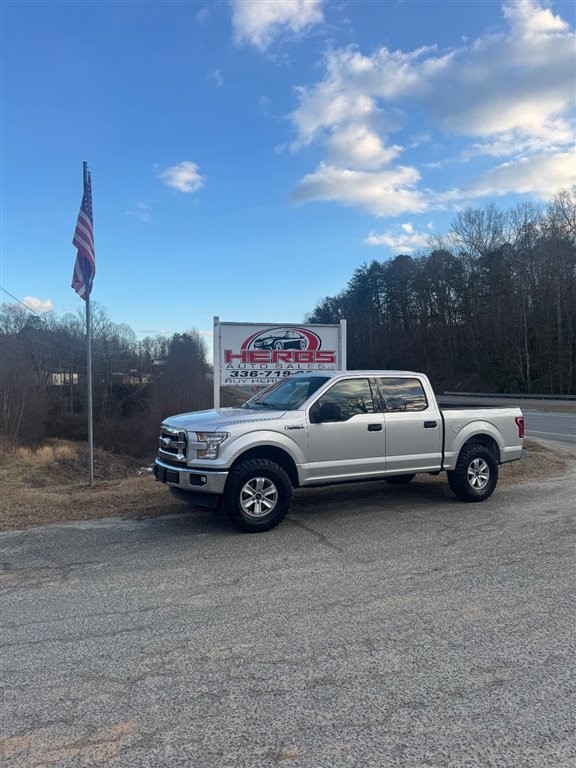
{"x": 475, "y": 475}
{"x": 257, "y": 495}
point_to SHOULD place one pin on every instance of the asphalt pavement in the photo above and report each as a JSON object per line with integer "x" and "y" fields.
{"x": 560, "y": 427}
{"x": 376, "y": 627}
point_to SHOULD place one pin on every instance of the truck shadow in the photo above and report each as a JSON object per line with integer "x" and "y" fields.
{"x": 421, "y": 491}
{"x": 354, "y": 499}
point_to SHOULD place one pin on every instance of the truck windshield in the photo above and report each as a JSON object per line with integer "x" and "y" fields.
{"x": 287, "y": 395}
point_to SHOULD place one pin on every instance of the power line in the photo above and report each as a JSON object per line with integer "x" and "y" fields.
{"x": 21, "y": 302}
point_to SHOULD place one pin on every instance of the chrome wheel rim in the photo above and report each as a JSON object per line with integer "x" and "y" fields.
{"x": 258, "y": 497}
{"x": 478, "y": 474}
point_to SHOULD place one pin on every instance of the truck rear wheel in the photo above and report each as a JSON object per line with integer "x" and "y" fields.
{"x": 475, "y": 475}
{"x": 257, "y": 495}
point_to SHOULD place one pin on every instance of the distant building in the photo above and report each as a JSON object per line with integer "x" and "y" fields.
{"x": 60, "y": 379}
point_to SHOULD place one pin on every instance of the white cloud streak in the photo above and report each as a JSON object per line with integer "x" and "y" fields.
{"x": 383, "y": 193}
{"x": 404, "y": 238}
{"x": 537, "y": 175}
{"x": 184, "y": 177}
{"x": 218, "y": 78}
{"x": 261, "y": 22}
{"x": 140, "y": 211}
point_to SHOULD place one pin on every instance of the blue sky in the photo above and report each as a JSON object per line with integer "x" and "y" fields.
{"x": 247, "y": 156}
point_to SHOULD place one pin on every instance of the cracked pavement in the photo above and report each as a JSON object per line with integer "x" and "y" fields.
{"x": 377, "y": 626}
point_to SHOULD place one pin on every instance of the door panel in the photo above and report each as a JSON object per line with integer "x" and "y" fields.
{"x": 410, "y": 446}
{"x": 338, "y": 450}
{"x": 413, "y": 427}
{"x": 346, "y": 437}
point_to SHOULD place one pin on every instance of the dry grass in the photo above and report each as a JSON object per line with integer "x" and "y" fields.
{"x": 57, "y": 462}
{"x": 49, "y": 484}
{"x": 539, "y": 461}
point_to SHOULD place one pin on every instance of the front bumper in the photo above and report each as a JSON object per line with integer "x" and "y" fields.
{"x": 193, "y": 480}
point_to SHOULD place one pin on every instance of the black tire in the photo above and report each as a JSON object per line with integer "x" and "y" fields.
{"x": 257, "y": 495}
{"x": 475, "y": 475}
{"x": 400, "y": 479}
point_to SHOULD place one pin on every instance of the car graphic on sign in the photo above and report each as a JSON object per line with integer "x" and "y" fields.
{"x": 282, "y": 340}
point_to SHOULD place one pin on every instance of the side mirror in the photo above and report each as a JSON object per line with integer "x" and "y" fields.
{"x": 329, "y": 412}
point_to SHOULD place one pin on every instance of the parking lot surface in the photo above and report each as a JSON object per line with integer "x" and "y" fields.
{"x": 377, "y": 626}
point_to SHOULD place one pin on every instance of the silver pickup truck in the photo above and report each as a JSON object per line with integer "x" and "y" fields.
{"x": 329, "y": 427}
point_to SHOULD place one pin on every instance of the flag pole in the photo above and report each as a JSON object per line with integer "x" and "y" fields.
{"x": 89, "y": 369}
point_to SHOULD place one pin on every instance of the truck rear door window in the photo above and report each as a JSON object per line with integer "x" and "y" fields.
{"x": 403, "y": 394}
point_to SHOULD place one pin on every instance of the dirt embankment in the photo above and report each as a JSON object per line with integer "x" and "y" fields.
{"x": 49, "y": 485}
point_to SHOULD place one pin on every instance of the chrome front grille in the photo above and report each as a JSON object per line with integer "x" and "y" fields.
{"x": 172, "y": 444}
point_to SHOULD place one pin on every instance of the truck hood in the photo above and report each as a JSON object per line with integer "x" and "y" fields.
{"x": 220, "y": 419}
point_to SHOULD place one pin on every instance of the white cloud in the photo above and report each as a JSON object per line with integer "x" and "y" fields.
{"x": 358, "y": 145}
{"x": 259, "y": 22}
{"x": 402, "y": 238}
{"x": 509, "y": 94}
{"x": 555, "y": 133}
{"x": 359, "y": 88}
{"x": 433, "y": 165}
{"x": 526, "y": 17}
{"x": 383, "y": 193}
{"x": 540, "y": 176}
{"x": 185, "y": 177}
{"x": 140, "y": 211}
{"x": 38, "y": 305}
{"x": 218, "y": 78}
{"x": 202, "y": 15}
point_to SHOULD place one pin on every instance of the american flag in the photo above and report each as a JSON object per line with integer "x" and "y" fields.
{"x": 85, "y": 266}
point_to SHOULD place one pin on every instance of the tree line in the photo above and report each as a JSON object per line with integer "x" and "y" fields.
{"x": 135, "y": 383}
{"x": 489, "y": 307}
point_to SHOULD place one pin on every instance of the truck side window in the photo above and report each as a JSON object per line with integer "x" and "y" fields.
{"x": 350, "y": 396}
{"x": 403, "y": 394}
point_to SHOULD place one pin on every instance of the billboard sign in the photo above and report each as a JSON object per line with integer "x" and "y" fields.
{"x": 252, "y": 356}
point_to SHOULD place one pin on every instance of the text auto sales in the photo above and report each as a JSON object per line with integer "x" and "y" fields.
{"x": 280, "y": 359}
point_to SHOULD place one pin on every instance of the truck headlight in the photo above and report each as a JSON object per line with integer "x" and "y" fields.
{"x": 209, "y": 444}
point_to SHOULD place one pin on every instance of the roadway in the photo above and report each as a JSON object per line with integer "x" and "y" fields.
{"x": 546, "y": 425}
{"x": 377, "y": 626}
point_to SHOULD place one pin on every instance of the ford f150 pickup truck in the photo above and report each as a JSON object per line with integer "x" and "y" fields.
{"x": 320, "y": 428}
